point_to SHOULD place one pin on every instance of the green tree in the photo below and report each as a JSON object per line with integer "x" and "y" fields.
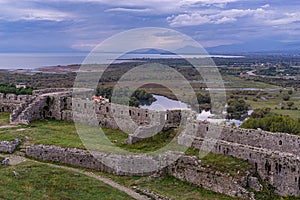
{"x": 276, "y": 123}
{"x": 237, "y": 109}
{"x": 260, "y": 112}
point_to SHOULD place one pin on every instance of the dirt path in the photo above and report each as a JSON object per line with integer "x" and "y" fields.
{"x": 107, "y": 181}
{"x": 7, "y": 126}
{"x": 15, "y": 160}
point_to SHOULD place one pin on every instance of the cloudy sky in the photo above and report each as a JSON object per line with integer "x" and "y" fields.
{"x": 79, "y": 25}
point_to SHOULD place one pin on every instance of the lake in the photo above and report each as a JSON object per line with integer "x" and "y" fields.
{"x": 36, "y": 60}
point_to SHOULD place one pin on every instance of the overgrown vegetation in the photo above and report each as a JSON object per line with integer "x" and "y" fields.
{"x": 237, "y": 109}
{"x": 38, "y": 80}
{"x": 260, "y": 112}
{"x": 137, "y": 97}
{"x": 276, "y": 123}
{"x": 171, "y": 187}
{"x": 4, "y": 118}
{"x": 227, "y": 164}
{"x": 11, "y": 89}
{"x": 38, "y": 181}
{"x": 62, "y": 133}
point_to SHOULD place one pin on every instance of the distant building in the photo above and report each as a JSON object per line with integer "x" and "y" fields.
{"x": 21, "y": 85}
{"x": 100, "y": 99}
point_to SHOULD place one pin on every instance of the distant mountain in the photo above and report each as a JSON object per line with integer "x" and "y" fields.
{"x": 189, "y": 50}
{"x": 256, "y": 46}
{"x": 150, "y": 51}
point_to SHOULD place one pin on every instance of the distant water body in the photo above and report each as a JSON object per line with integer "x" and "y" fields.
{"x": 36, "y": 60}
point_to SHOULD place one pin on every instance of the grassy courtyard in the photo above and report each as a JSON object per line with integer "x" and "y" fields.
{"x": 4, "y": 118}
{"x": 39, "y": 181}
{"x": 64, "y": 134}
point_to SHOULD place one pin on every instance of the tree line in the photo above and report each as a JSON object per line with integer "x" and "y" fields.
{"x": 11, "y": 89}
{"x": 275, "y": 123}
{"x": 121, "y": 94}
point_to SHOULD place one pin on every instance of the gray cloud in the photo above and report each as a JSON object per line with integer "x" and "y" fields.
{"x": 217, "y": 17}
{"x": 136, "y": 10}
{"x": 85, "y": 23}
{"x": 18, "y": 10}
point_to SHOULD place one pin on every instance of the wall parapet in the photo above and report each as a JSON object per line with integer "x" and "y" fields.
{"x": 282, "y": 142}
{"x": 280, "y": 169}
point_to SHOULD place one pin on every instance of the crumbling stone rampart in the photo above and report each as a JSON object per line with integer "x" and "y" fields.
{"x": 9, "y": 146}
{"x": 277, "y": 164}
{"x": 275, "y": 156}
{"x": 186, "y": 168}
{"x": 9, "y": 102}
{"x": 190, "y": 169}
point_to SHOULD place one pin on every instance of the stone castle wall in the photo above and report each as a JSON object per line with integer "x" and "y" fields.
{"x": 278, "y": 164}
{"x": 9, "y": 102}
{"x": 108, "y": 115}
{"x": 186, "y": 168}
{"x": 50, "y": 90}
{"x": 274, "y": 155}
{"x": 256, "y": 138}
{"x": 9, "y": 146}
{"x": 76, "y": 157}
{"x": 190, "y": 169}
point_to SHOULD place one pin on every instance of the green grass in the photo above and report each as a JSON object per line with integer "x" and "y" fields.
{"x": 274, "y": 101}
{"x": 166, "y": 185}
{"x": 170, "y": 187}
{"x": 226, "y": 164}
{"x": 291, "y": 113}
{"x": 48, "y": 132}
{"x": 176, "y": 189}
{"x": 38, "y": 181}
{"x": 237, "y": 82}
{"x": 32, "y": 183}
{"x": 62, "y": 133}
{"x": 151, "y": 144}
{"x": 4, "y": 118}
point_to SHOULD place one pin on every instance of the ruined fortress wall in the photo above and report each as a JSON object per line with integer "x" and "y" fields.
{"x": 55, "y": 105}
{"x": 281, "y": 142}
{"x": 186, "y": 168}
{"x": 189, "y": 169}
{"x": 76, "y": 157}
{"x": 107, "y": 114}
{"x": 13, "y": 98}
{"x": 282, "y": 170}
{"x": 9, "y": 146}
{"x": 123, "y": 164}
{"x": 36, "y": 110}
{"x": 9, "y": 102}
{"x": 7, "y": 107}
{"x": 50, "y": 90}
{"x": 274, "y": 155}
